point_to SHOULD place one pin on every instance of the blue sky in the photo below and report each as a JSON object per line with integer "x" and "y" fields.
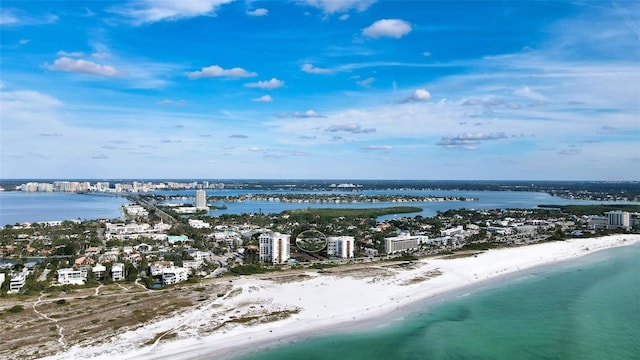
{"x": 338, "y": 89}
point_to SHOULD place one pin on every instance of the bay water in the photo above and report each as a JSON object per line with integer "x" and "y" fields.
{"x": 588, "y": 308}
{"x": 17, "y": 207}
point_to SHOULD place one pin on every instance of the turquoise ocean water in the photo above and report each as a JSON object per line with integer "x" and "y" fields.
{"x": 587, "y": 308}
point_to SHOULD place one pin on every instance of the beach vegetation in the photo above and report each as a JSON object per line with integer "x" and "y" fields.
{"x": 15, "y": 309}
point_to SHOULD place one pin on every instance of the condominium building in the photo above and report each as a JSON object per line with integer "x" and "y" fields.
{"x": 274, "y": 247}
{"x": 201, "y": 200}
{"x": 340, "y": 246}
{"x": 174, "y": 275}
{"x": 403, "y": 243}
{"x": 619, "y": 219}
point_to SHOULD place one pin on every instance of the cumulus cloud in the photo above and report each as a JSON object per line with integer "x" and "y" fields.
{"x": 418, "y": 95}
{"x": 310, "y": 69}
{"x": 238, "y": 136}
{"x": 366, "y": 83}
{"x": 378, "y": 147}
{"x": 352, "y": 128}
{"x": 258, "y": 12}
{"x": 394, "y": 28}
{"x": 339, "y": 6}
{"x": 150, "y": 11}
{"x": 67, "y": 64}
{"x": 263, "y": 98}
{"x": 307, "y": 114}
{"x": 217, "y": 71}
{"x": 469, "y": 140}
{"x": 268, "y": 84}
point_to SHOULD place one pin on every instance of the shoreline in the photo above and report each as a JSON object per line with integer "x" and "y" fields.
{"x": 335, "y": 302}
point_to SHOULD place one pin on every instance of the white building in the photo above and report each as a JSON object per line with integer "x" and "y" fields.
{"x": 117, "y": 272}
{"x": 619, "y": 219}
{"x": 99, "y": 271}
{"x": 174, "y": 275}
{"x": 274, "y": 247}
{"x": 340, "y": 246}
{"x": 403, "y": 243}
{"x": 156, "y": 268}
{"x": 201, "y": 200}
{"x": 72, "y": 276}
{"x": 199, "y": 224}
{"x": 17, "y": 282}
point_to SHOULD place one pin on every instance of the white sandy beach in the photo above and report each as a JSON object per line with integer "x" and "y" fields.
{"x": 321, "y": 302}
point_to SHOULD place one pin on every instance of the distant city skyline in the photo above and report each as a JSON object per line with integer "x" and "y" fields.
{"x": 320, "y": 89}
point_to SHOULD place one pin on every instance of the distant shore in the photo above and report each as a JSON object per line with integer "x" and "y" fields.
{"x": 313, "y": 303}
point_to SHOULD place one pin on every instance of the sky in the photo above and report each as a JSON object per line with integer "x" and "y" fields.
{"x": 320, "y": 89}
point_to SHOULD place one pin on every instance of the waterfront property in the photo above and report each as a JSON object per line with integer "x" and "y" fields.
{"x": 340, "y": 246}
{"x": 404, "y": 242}
{"x": 274, "y": 247}
{"x": 70, "y": 276}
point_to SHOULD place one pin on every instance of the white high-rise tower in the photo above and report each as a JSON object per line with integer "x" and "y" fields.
{"x": 201, "y": 200}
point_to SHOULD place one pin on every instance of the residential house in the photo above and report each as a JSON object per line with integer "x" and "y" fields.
{"x": 117, "y": 272}
{"x": 72, "y": 276}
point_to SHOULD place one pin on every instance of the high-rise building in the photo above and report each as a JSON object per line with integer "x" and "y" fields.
{"x": 619, "y": 219}
{"x": 274, "y": 247}
{"x": 340, "y": 246}
{"x": 201, "y": 200}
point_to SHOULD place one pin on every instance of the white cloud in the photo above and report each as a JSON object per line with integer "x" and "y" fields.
{"x": 344, "y": 17}
{"x": 63, "y": 53}
{"x": 339, "y": 6}
{"x": 256, "y": 149}
{"x": 418, "y": 95}
{"x": 528, "y": 93}
{"x": 217, "y": 71}
{"x": 308, "y": 68}
{"x": 269, "y": 84}
{"x": 84, "y": 67}
{"x": 421, "y": 94}
{"x": 258, "y": 12}
{"x": 307, "y": 114}
{"x": 366, "y": 82}
{"x": 426, "y": 53}
{"x": 263, "y": 98}
{"x": 394, "y": 28}
{"x": 150, "y": 11}
{"x": 13, "y": 17}
{"x": 24, "y": 41}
